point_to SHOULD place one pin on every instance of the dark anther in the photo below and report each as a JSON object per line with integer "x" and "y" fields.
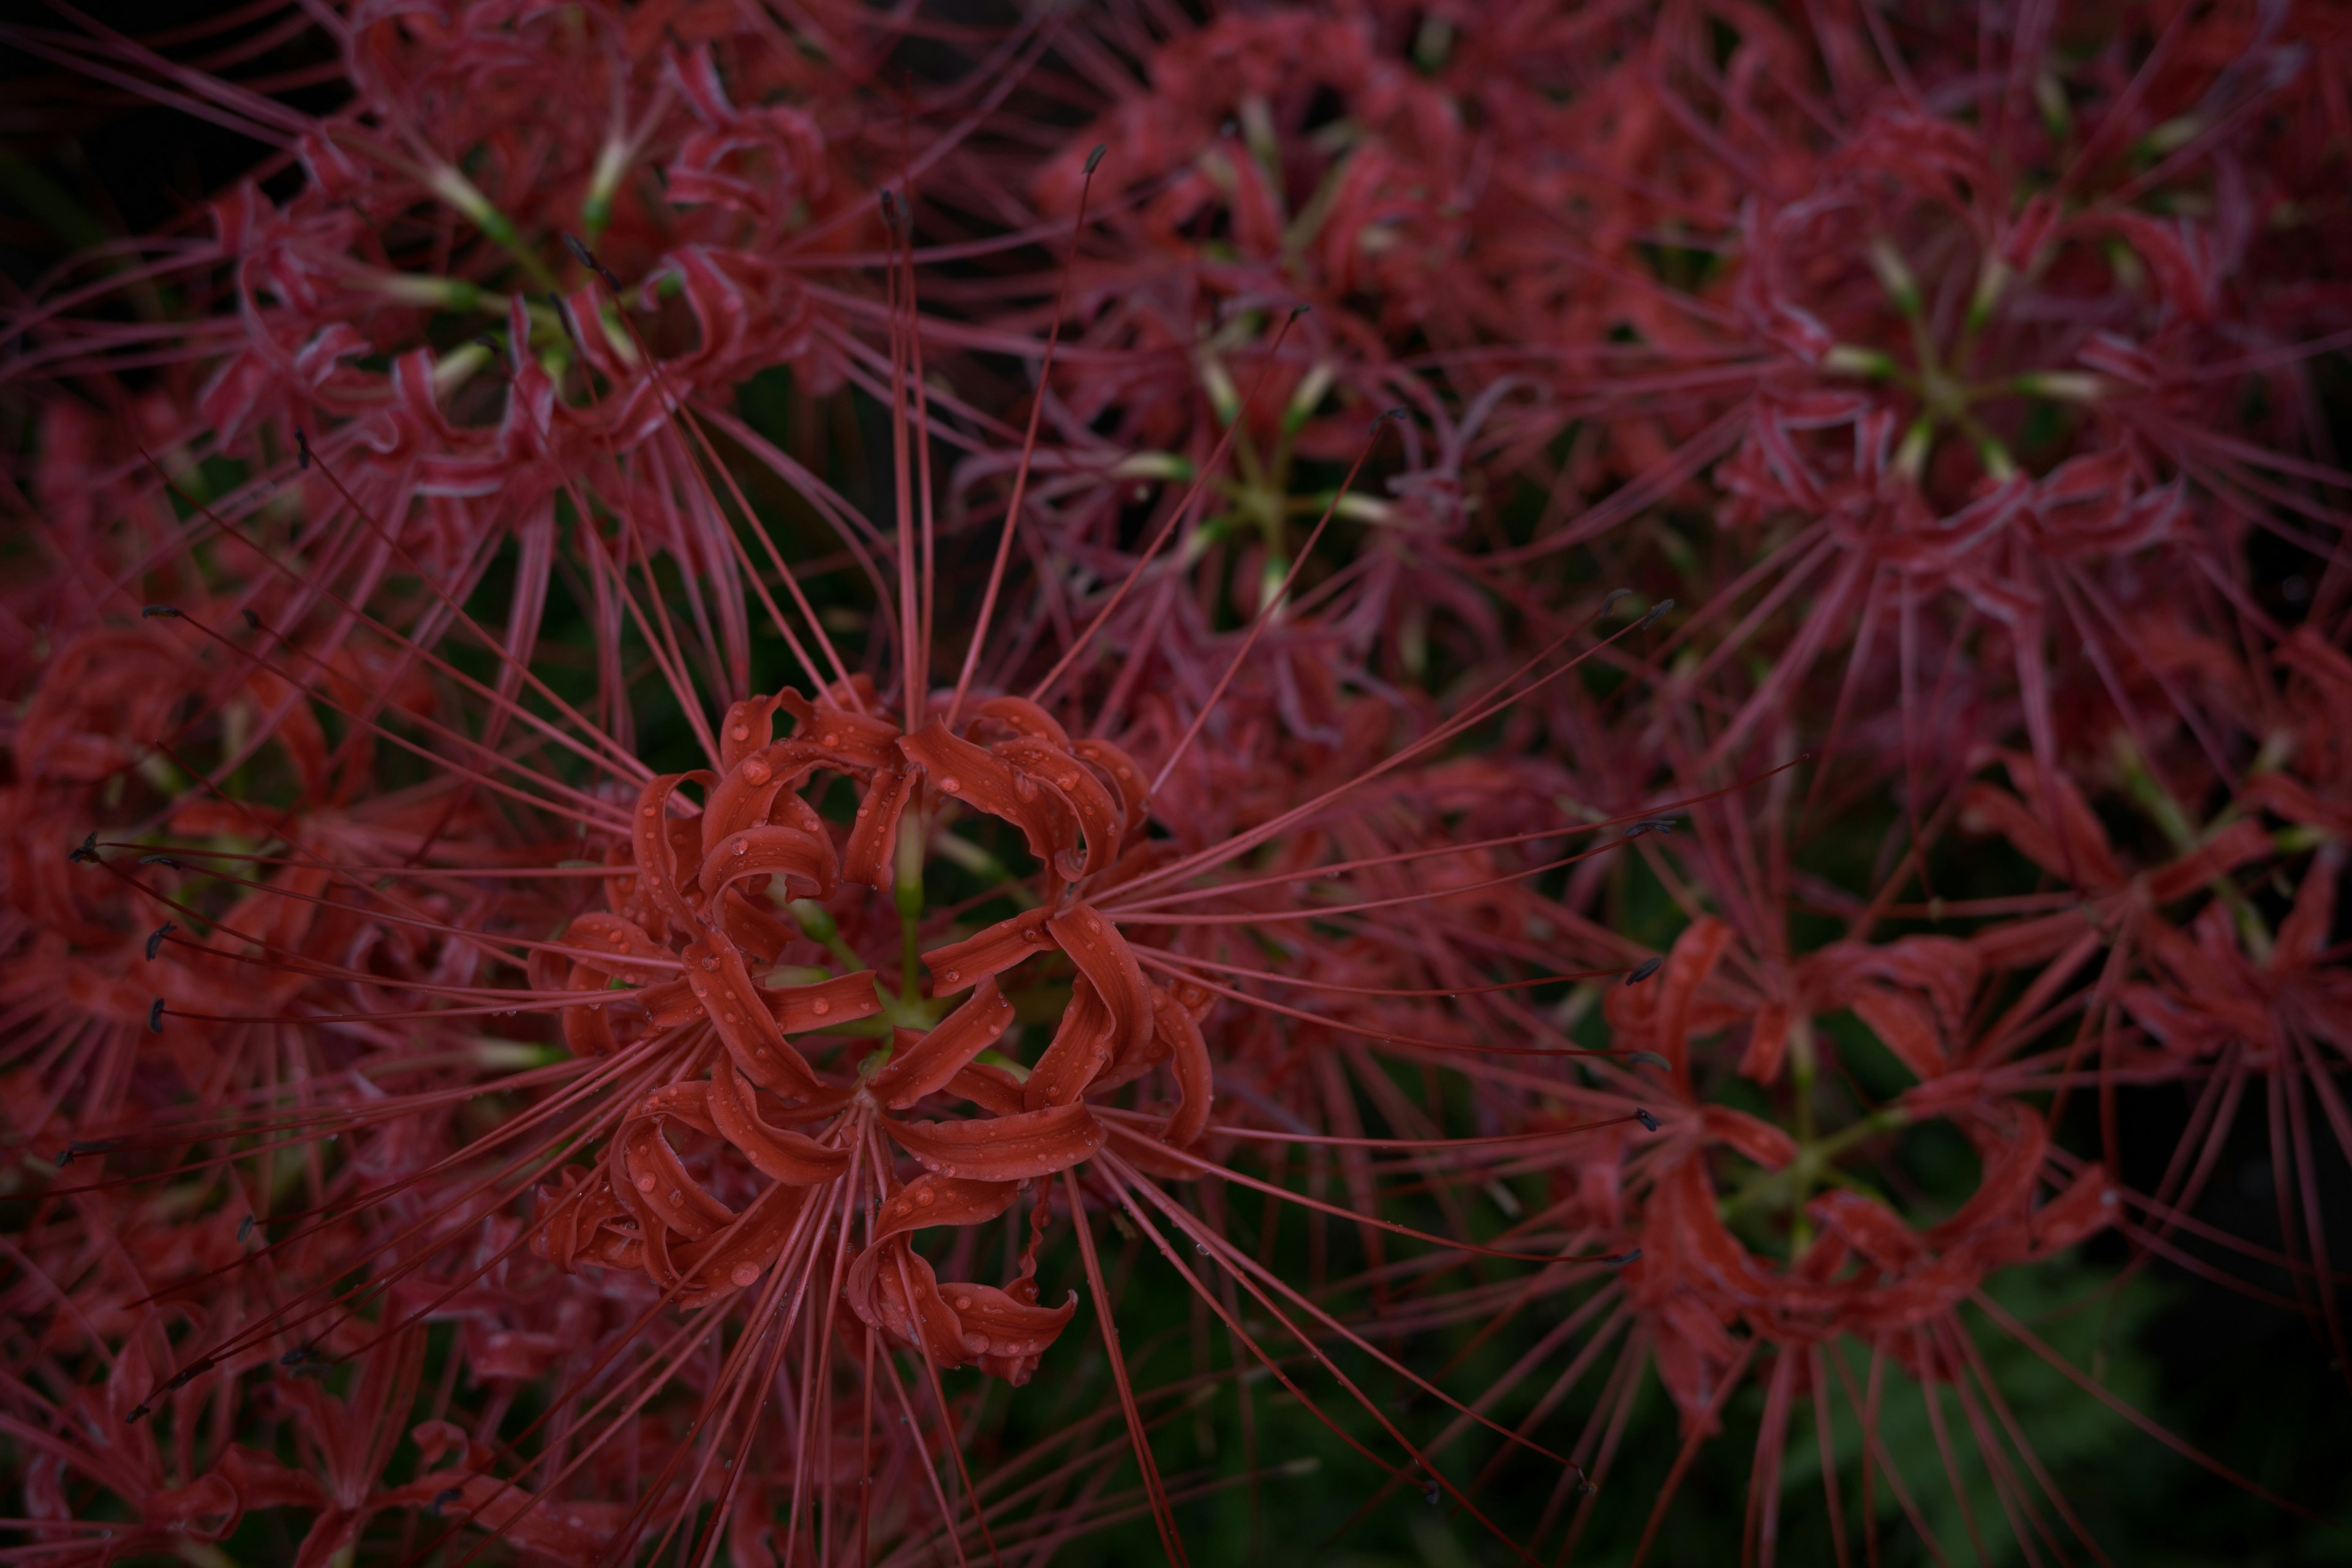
{"x": 82, "y": 1146}
{"x": 1609, "y": 603}
{"x": 890, "y": 210}
{"x": 252, "y": 622}
{"x": 298, "y": 1355}
{"x": 155, "y": 1017}
{"x": 442, "y": 1499}
{"x": 155, "y": 939}
{"x": 244, "y": 1227}
{"x": 1584, "y": 1486}
{"x": 1660, "y": 608}
{"x": 190, "y": 1372}
{"x": 487, "y": 344}
{"x": 301, "y": 448}
{"x": 1650, "y": 825}
{"x": 1648, "y": 1059}
{"x": 564, "y": 314}
{"x": 1646, "y": 1119}
{"x": 1429, "y": 1491}
{"x": 138, "y": 1413}
{"x": 1633, "y": 1255}
{"x": 87, "y": 850}
{"x": 152, "y": 611}
{"x": 1298, "y": 310}
{"x": 587, "y": 258}
{"x": 159, "y": 860}
{"x": 1643, "y": 969}
{"x": 1095, "y": 156}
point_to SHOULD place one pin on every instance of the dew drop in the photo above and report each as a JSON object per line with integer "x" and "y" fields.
{"x": 742, "y": 846}
{"x": 950, "y": 974}
{"x": 650, "y": 810}
{"x": 832, "y": 737}
{"x": 964, "y": 1303}
{"x": 644, "y": 1183}
{"x": 744, "y": 1273}
{"x": 950, "y": 784}
{"x": 926, "y": 1198}
{"x": 820, "y": 1006}
{"x": 741, "y": 731}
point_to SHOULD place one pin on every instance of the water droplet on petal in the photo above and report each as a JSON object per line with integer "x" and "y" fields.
{"x": 741, "y": 731}
{"x": 644, "y": 1183}
{"x": 950, "y": 784}
{"x": 744, "y": 1273}
{"x": 950, "y": 974}
{"x": 820, "y": 1006}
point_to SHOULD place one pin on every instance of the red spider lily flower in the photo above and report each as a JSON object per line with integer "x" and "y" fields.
{"x": 709, "y": 967}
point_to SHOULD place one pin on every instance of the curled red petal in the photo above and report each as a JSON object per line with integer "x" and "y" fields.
{"x": 854, "y": 742}
{"x": 991, "y": 951}
{"x": 745, "y": 1019}
{"x": 1188, "y": 1060}
{"x": 656, "y": 856}
{"x": 1101, "y": 823}
{"x": 804, "y": 861}
{"x": 1125, "y": 774}
{"x": 1104, "y": 957}
{"x": 873, "y": 839}
{"x": 1002, "y": 1148}
{"x": 933, "y": 1200}
{"x": 1080, "y": 1049}
{"x": 658, "y": 1184}
{"x": 928, "y": 1064}
{"x": 774, "y": 1151}
{"x": 750, "y": 725}
{"x": 1019, "y": 713}
{"x": 987, "y": 782}
{"x": 827, "y": 1005}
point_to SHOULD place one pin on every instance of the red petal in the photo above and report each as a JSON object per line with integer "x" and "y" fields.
{"x": 656, "y": 861}
{"x": 991, "y": 951}
{"x": 827, "y": 1005}
{"x": 740, "y": 1012}
{"x": 874, "y": 840}
{"x": 786, "y": 1156}
{"x": 805, "y": 862}
{"x": 938, "y": 1056}
{"x": 1002, "y": 1148}
{"x": 985, "y": 781}
{"x": 1099, "y": 815}
{"x": 1103, "y": 956}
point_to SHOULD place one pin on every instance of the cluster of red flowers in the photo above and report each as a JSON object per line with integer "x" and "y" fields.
{"x": 473, "y": 1090}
